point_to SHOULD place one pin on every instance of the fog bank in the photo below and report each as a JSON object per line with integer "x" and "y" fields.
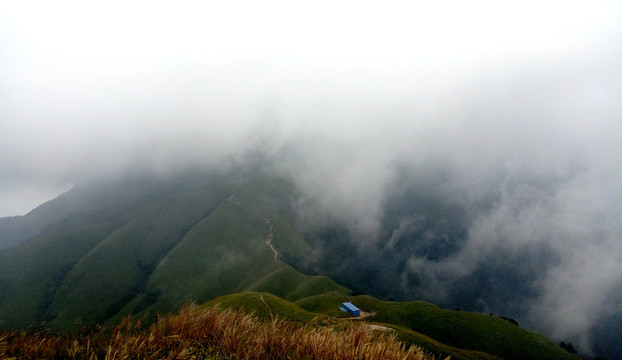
{"x": 507, "y": 115}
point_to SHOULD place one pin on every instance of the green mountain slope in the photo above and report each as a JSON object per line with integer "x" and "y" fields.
{"x": 264, "y": 305}
{"x": 459, "y": 334}
{"x": 149, "y": 249}
{"x": 195, "y": 237}
{"x": 467, "y": 330}
{"x": 226, "y": 252}
{"x": 102, "y": 282}
{"x": 90, "y": 203}
{"x": 31, "y": 274}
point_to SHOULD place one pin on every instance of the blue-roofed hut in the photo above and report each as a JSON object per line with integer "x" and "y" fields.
{"x": 350, "y": 308}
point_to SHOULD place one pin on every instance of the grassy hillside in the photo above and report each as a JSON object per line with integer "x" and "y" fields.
{"x": 206, "y": 236}
{"x": 210, "y": 333}
{"x": 100, "y": 284}
{"x": 441, "y": 350}
{"x": 119, "y": 248}
{"x": 224, "y": 253}
{"x": 467, "y": 330}
{"x": 263, "y": 305}
{"x": 31, "y": 274}
{"x": 292, "y": 285}
{"x": 459, "y": 334}
{"x": 90, "y": 203}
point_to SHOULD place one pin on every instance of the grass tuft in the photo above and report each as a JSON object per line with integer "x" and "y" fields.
{"x": 212, "y": 333}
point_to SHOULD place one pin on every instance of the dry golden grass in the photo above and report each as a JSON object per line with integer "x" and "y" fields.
{"x": 211, "y": 334}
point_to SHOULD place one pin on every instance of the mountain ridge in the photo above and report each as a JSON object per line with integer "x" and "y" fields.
{"x": 157, "y": 244}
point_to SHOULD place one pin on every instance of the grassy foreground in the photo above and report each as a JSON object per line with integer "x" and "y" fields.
{"x": 212, "y": 333}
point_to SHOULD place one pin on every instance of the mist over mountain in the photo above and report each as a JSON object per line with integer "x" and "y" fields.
{"x": 517, "y": 241}
{"x": 466, "y": 154}
{"x": 494, "y": 252}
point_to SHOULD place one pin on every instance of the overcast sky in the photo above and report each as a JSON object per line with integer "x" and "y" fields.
{"x": 491, "y": 91}
{"x": 92, "y": 88}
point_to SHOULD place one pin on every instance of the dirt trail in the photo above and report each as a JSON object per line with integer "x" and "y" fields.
{"x": 271, "y": 230}
{"x": 364, "y": 314}
{"x": 375, "y": 327}
{"x": 362, "y": 317}
{"x": 269, "y": 238}
{"x": 267, "y": 306}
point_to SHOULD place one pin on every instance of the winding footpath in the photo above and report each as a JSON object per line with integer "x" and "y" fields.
{"x": 271, "y": 230}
